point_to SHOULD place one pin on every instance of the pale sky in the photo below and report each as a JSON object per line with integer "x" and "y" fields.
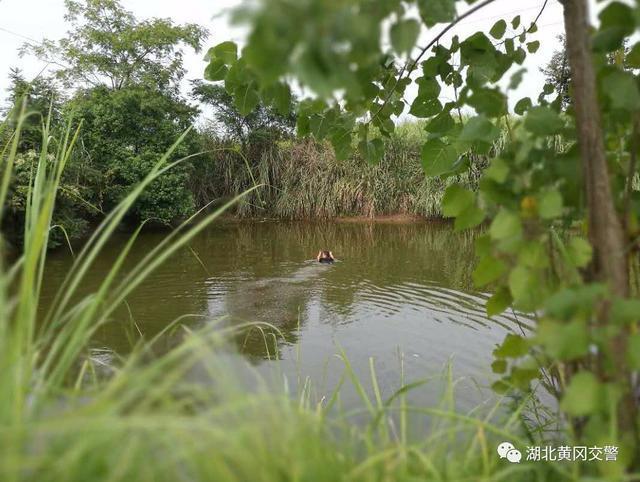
{"x": 37, "y": 19}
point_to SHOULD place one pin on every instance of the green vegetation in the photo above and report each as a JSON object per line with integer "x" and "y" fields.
{"x": 303, "y": 179}
{"x": 183, "y": 415}
{"x": 122, "y": 77}
{"x": 560, "y": 198}
{"x": 121, "y": 84}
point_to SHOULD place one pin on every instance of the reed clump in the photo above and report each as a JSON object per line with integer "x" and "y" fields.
{"x": 302, "y": 179}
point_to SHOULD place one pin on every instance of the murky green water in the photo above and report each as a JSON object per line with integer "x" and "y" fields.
{"x": 396, "y": 289}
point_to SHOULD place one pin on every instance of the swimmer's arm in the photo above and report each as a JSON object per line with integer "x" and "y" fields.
{"x": 319, "y": 254}
{"x": 331, "y": 255}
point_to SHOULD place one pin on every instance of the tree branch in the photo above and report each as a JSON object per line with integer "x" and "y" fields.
{"x": 533, "y": 24}
{"x": 406, "y": 71}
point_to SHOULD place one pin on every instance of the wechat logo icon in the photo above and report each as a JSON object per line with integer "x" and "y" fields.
{"x": 508, "y": 451}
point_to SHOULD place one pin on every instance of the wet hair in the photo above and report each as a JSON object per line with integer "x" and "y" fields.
{"x": 326, "y": 254}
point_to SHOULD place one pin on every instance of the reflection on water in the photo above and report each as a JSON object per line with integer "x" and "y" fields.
{"x": 395, "y": 288}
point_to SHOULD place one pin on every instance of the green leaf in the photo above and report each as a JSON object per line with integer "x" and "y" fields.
{"x": 548, "y": 89}
{"x": 488, "y": 270}
{"x": 622, "y": 90}
{"x": 428, "y": 88}
{"x": 499, "y": 366}
{"x": 246, "y": 99}
{"x": 341, "y": 142}
{"x": 490, "y": 102}
{"x": 516, "y": 78}
{"x": 425, "y": 106}
{"x": 581, "y": 397}
{"x": 625, "y": 311}
{"x": 532, "y": 47}
{"x": 430, "y": 66}
{"x": 438, "y": 158}
{"x": 519, "y": 56}
{"x": 533, "y": 254}
{"x": 522, "y": 106}
{"x": 513, "y": 346}
{"x": 216, "y": 70}
{"x": 479, "y": 53}
{"x": 442, "y": 124}
{"x": 543, "y": 121}
{"x": 320, "y": 124}
{"x": 226, "y": 51}
{"x": 524, "y": 287}
{"x": 566, "y": 303}
{"x": 436, "y": 11}
{"x": 522, "y": 377}
{"x": 563, "y": 341}
{"x": 579, "y": 252}
{"x": 515, "y": 23}
{"x": 237, "y": 77}
{"x": 479, "y": 128}
{"x": 550, "y": 204}
{"x": 498, "y": 29}
{"x": 456, "y": 200}
{"x": 372, "y": 151}
{"x": 505, "y": 225}
{"x": 501, "y": 387}
{"x": 509, "y": 46}
{"x": 616, "y": 22}
{"x": 404, "y": 35}
{"x": 633, "y": 351}
{"x": 562, "y": 304}
{"x": 609, "y": 40}
{"x": 633, "y": 57}
{"x": 483, "y": 245}
{"x": 278, "y": 96}
{"x": 498, "y": 170}
{"x": 470, "y": 218}
{"x": 499, "y": 302}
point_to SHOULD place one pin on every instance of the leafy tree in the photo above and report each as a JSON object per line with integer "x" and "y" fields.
{"x": 44, "y": 103}
{"x": 124, "y": 133}
{"x": 107, "y": 45}
{"x": 124, "y": 74}
{"x": 72, "y": 215}
{"x": 228, "y": 122}
{"x": 563, "y": 218}
{"x": 43, "y": 99}
{"x": 558, "y": 74}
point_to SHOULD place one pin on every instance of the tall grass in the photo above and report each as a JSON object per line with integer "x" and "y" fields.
{"x": 183, "y": 416}
{"x": 302, "y": 179}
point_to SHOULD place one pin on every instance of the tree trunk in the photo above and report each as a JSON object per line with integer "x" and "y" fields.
{"x": 605, "y": 229}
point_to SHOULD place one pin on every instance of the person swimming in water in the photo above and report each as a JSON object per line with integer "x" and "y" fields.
{"x": 325, "y": 257}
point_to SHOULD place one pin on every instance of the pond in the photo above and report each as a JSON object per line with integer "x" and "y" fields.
{"x": 397, "y": 291}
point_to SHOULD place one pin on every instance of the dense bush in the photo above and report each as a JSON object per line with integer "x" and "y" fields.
{"x": 122, "y": 77}
{"x": 124, "y": 132}
{"x": 72, "y": 214}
